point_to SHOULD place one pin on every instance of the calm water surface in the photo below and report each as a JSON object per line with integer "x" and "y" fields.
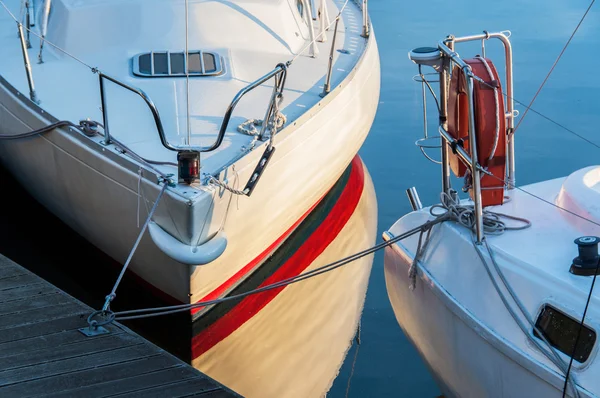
{"x": 387, "y": 365}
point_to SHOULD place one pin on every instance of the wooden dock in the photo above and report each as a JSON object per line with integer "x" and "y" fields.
{"x": 42, "y": 352}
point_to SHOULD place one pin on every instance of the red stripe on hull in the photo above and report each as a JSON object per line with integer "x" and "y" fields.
{"x": 252, "y": 264}
{"x": 298, "y": 262}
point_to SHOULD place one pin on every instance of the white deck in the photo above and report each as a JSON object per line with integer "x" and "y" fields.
{"x": 251, "y": 36}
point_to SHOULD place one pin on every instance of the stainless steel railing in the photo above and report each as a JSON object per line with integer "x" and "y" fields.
{"x": 278, "y": 73}
{"x": 449, "y": 59}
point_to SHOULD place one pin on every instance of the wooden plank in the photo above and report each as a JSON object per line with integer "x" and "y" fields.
{"x": 85, "y": 347}
{"x": 50, "y": 340}
{"x": 32, "y": 303}
{"x": 71, "y": 365}
{"x": 18, "y": 281}
{"x": 128, "y": 383}
{"x": 24, "y": 292}
{"x": 87, "y": 377}
{"x": 184, "y": 388}
{"x": 42, "y": 351}
{"x": 11, "y": 272}
{"x": 58, "y": 324}
{"x": 40, "y": 315}
{"x": 9, "y": 268}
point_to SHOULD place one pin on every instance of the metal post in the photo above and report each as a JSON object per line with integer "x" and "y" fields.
{"x": 32, "y": 93}
{"x": 475, "y": 176}
{"x": 104, "y": 110}
{"x": 446, "y": 185}
{"x": 44, "y": 28}
{"x": 313, "y": 43}
{"x": 413, "y": 198}
{"x": 270, "y": 109}
{"x": 365, "y": 9}
{"x": 510, "y": 106}
{"x": 28, "y": 22}
{"x": 327, "y": 85}
{"x": 313, "y": 10}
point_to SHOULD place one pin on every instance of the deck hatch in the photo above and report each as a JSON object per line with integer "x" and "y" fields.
{"x": 172, "y": 64}
{"x": 561, "y": 332}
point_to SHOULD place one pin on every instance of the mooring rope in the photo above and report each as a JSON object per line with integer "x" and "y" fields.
{"x": 113, "y": 292}
{"x": 167, "y": 310}
{"x": 548, "y": 351}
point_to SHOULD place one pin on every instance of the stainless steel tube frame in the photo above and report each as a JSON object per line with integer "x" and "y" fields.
{"x": 475, "y": 173}
{"x": 460, "y": 151}
{"x": 446, "y": 184}
{"x": 280, "y": 70}
{"x": 510, "y": 118}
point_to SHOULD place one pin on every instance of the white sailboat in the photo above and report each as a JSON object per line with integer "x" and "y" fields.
{"x": 232, "y": 126}
{"x": 491, "y": 290}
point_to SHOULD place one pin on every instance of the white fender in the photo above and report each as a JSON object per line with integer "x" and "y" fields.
{"x": 186, "y": 254}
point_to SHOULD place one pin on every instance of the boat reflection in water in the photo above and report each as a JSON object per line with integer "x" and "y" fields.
{"x": 292, "y": 341}
{"x": 289, "y": 341}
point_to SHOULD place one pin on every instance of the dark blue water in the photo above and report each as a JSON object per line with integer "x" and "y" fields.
{"x": 387, "y": 365}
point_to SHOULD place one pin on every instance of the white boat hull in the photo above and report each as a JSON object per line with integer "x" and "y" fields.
{"x": 466, "y": 357}
{"x": 101, "y": 196}
{"x": 104, "y": 195}
{"x": 96, "y": 194}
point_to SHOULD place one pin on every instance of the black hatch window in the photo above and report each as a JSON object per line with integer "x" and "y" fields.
{"x": 172, "y": 64}
{"x": 561, "y": 332}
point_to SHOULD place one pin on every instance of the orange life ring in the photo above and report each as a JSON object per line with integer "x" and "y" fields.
{"x": 490, "y": 126}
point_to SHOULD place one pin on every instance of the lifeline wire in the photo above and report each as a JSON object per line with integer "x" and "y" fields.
{"x": 555, "y": 63}
{"x": 587, "y": 304}
{"x": 45, "y": 40}
{"x": 87, "y": 127}
{"x": 506, "y": 184}
{"x": 528, "y": 108}
{"x": 291, "y": 61}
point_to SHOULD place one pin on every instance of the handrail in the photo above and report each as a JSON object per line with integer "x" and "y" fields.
{"x": 142, "y": 94}
{"x": 280, "y": 70}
